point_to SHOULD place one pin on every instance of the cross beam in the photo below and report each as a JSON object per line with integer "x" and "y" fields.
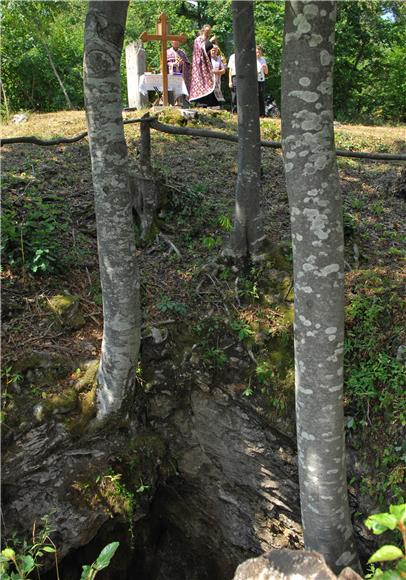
{"x": 162, "y": 35}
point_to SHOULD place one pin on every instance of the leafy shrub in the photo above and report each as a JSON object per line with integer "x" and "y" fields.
{"x": 381, "y": 380}
{"x": 215, "y": 356}
{"x": 19, "y": 559}
{"x": 380, "y": 523}
{"x": 242, "y": 329}
{"x": 30, "y": 239}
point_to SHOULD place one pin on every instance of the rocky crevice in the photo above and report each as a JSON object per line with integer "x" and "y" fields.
{"x": 222, "y": 485}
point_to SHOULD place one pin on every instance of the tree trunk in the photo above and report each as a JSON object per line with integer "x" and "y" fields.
{"x": 318, "y": 255}
{"x": 5, "y": 101}
{"x": 51, "y": 61}
{"x": 40, "y": 36}
{"x": 247, "y": 235}
{"x": 104, "y": 33}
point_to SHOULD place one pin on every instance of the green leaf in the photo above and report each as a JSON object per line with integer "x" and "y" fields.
{"x": 390, "y": 575}
{"x": 379, "y": 523}
{"x": 106, "y": 555}
{"x": 385, "y": 554}
{"x": 399, "y": 511}
{"x": 49, "y": 549}
{"x": 4, "y": 565}
{"x": 9, "y": 553}
{"x": 86, "y": 572}
{"x": 401, "y": 565}
{"x": 26, "y": 563}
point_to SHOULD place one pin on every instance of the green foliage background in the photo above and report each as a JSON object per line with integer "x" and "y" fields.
{"x": 370, "y": 74}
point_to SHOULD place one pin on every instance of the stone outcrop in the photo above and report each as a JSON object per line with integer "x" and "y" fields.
{"x": 227, "y": 492}
{"x": 235, "y": 491}
{"x": 290, "y": 565}
{"x": 67, "y": 311}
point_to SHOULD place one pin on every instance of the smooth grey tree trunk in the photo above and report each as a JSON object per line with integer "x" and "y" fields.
{"x": 247, "y": 236}
{"x": 104, "y": 33}
{"x": 318, "y": 256}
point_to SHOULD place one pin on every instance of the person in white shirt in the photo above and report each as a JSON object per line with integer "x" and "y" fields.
{"x": 262, "y": 69}
{"x": 232, "y": 82}
{"x": 218, "y": 71}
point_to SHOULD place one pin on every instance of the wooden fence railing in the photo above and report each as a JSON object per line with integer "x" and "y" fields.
{"x": 148, "y": 122}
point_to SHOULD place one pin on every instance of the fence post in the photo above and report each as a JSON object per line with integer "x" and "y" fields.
{"x": 145, "y": 146}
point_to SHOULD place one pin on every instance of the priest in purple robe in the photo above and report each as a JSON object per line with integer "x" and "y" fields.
{"x": 203, "y": 84}
{"x": 178, "y": 62}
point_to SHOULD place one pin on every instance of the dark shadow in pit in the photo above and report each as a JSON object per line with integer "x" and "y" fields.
{"x": 155, "y": 549}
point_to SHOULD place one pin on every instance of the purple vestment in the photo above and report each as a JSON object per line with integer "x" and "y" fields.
{"x": 202, "y": 83}
{"x": 180, "y": 63}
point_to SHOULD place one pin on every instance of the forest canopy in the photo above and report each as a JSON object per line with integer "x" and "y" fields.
{"x": 370, "y": 70}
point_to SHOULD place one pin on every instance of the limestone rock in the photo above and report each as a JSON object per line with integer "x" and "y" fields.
{"x": 67, "y": 310}
{"x": 234, "y": 477}
{"x": 43, "y": 368}
{"x": 401, "y": 353}
{"x": 42, "y": 475}
{"x": 290, "y": 565}
{"x": 19, "y": 118}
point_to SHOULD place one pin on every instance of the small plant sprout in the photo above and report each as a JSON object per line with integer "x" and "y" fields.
{"x": 243, "y": 329}
{"x": 211, "y": 242}
{"x": 225, "y": 223}
{"x": 380, "y": 523}
{"x": 248, "y": 391}
{"x": 167, "y": 305}
{"x": 142, "y": 487}
{"x": 215, "y": 356}
{"x": 264, "y": 372}
{"x": 103, "y": 560}
{"x": 17, "y": 563}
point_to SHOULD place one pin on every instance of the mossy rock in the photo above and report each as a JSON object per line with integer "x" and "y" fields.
{"x": 280, "y": 351}
{"x": 89, "y": 378}
{"x": 78, "y": 424}
{"x": 62, "y": 403}
{"x": 150, "y": 444}
{"x": 44, "y": 368}
{"x": 280, "y": 257}
{"x": 172, "y": 116}
{"x": 66, "y": 309}
{"x": 288, "y": 312}
{"x": 43, "y": 360}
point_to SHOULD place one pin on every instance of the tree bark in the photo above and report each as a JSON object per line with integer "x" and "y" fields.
{"x": 247, "y": 236}
{"x": 58, "y": 78}
{"x": 318, "y": 256}
{"x": 104, "y": 33}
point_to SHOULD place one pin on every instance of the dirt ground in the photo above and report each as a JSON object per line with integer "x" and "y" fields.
{"x": 50, "y": 247}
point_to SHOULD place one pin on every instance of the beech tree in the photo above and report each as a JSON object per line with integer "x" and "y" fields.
{"x": 318, "y": 256}
{"x": 247, "y": 235}
{"x": 104, "y": 33}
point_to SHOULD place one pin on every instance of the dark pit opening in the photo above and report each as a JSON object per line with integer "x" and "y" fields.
{"x": 162, "y": 545}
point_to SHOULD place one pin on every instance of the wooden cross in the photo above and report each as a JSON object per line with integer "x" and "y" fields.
{"x": 162, "y": 35}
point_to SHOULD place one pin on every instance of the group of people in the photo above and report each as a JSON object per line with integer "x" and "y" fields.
{"x": 203, "y": 77}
